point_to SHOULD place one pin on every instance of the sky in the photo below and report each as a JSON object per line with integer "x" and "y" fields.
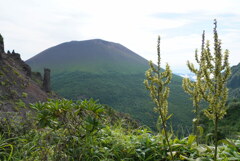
{"x": 31, "y": 26}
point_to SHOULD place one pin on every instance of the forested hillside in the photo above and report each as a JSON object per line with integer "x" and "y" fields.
{"x": 234, "y": 82}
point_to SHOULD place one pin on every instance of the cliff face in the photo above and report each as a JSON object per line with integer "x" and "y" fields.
{"x": 18, "y": 85}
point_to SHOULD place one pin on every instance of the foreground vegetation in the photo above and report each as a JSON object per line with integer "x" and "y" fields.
{"x": 86, "y": 130}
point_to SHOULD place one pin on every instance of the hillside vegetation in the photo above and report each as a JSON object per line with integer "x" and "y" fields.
{"x": 234, "y": 82}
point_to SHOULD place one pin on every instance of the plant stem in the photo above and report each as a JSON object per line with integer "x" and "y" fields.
{"x": 166, "y": 134}
{"x": 160, "y": 111}
{"x": 216, "y": 137}
{"x": 197, "y": 124}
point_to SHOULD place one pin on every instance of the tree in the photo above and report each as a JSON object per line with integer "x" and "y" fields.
{"x": 156, "y": 83}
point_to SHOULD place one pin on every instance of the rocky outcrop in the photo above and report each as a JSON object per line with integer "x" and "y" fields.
{"x": 19, "y": 62}
{"x": 18, "y": 86}
{"x": 46, "y": 80}
{"x": 1, "y": 46}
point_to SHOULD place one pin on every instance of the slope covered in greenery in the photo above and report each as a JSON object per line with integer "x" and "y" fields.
{"x": 234, "y": 82}
{"x": 111, "y": 73}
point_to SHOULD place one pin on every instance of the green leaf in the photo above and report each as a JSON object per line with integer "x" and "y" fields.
{"x": 200, "y": 130}
{"x": 228, "y": 142}
{"x": 169, "y": 117}
{"x": 201, "y": 149}
{"x": 191, "y": 139}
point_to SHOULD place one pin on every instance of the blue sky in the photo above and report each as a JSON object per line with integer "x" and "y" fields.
{"x": 31, "y": 26}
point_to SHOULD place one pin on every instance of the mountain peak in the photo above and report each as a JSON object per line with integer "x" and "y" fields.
{"x": 100, "y": 41}
{"x": 95, "y": 55}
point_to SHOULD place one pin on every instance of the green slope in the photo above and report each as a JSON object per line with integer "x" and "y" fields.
{"x": 234, "y": 82}
{"x": 111, "y": 73}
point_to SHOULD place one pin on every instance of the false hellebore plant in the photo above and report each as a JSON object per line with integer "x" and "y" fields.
{"x": 212, "y": 76}
{"x": 194, "y": 88}
{"x": 156, "y": 82}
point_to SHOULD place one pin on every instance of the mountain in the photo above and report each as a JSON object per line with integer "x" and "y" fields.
{"x": 111, "y": 73}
